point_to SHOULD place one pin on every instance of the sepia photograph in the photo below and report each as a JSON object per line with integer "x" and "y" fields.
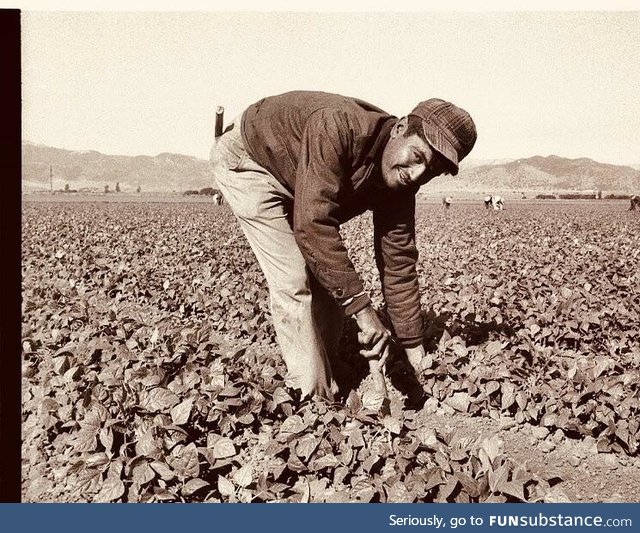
{"x": 330, "y": 256}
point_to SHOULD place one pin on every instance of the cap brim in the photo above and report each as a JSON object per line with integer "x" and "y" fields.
{"x": 438, "y": 141}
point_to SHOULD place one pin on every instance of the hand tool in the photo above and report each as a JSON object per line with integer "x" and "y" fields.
{"x": 219, "y": 121}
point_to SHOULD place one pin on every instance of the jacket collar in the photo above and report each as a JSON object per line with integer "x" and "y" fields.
{"x": 373, "y": 159}
{"x": 375, "y": 152}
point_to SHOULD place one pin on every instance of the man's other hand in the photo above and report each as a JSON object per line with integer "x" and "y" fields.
{"x": 415, "y": 356}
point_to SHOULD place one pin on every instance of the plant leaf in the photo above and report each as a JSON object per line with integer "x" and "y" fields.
{"x": 181, "y": 412}
{"x": 193, "y": 485}
{"x": 225, "y": 486}
{"x": 223, "y": 448}
{"x": 158, "y": 400}
{"x": 243, "y": 477}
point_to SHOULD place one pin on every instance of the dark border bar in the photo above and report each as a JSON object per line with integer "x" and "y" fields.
{"x": 10, "y": 157}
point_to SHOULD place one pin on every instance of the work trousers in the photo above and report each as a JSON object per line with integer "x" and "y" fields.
{"x": 306, "y": 318}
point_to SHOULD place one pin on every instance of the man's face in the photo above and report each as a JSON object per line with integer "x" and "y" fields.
{"x": 409, "y": 162}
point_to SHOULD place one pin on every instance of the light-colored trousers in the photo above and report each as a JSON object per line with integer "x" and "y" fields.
{"x": 307, "y": 319}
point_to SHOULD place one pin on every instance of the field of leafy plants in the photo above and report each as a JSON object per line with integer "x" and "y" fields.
{"x": 151, "y": 373}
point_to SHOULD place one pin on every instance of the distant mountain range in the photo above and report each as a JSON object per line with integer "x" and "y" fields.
{"x": 166, "y": 172}
{"x": 544, "y": 174}
{"x": 92, "y": 170}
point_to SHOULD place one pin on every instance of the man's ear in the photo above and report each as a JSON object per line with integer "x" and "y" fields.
{"x": 399, "y": 127}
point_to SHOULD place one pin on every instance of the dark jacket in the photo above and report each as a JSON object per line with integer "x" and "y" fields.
{"x": 326, "y": 149}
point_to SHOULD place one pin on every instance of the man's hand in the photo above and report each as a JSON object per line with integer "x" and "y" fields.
{"x": 373, "y": 336}
{"x": 415, "y": 356}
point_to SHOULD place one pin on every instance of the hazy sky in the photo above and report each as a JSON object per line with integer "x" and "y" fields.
{"x": 132, "y": 83}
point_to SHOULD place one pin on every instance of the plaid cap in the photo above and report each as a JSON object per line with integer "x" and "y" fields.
{"x": 449, "y": 129}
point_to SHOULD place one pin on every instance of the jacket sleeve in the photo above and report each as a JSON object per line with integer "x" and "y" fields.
{"x": 396, "y": 258}
{"x": 320, "y": 183}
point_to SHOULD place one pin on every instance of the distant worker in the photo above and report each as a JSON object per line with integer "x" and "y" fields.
{"x": 446, "y": 202}
{"x": 497, "y": 202}
{"x": 494, "y": 201}
{"x": 635, "y": 202}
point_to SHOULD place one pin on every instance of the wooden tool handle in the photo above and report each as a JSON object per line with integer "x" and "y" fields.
{"x": 378, "y": 377}
{"x": 219, "y": 121}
